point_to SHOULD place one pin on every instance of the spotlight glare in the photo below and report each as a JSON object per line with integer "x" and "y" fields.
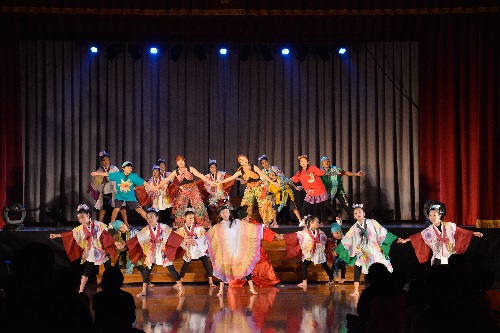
{"x": 223, "y": 51}
{"x": 342, "y": 50}
{"x": 94, "y": 49}
{"x": 285, "y": 51}
{"x": 153, "y": 50}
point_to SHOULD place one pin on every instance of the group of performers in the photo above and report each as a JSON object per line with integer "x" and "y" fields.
{"x": 231, "y": 250}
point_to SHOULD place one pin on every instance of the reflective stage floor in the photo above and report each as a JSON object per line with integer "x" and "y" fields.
{"x": 286, "y": 308}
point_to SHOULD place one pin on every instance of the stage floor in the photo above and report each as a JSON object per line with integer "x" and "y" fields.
{"x": 286, "y": 308}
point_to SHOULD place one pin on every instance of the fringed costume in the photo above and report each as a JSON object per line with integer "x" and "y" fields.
{"x": 255, "y": 191}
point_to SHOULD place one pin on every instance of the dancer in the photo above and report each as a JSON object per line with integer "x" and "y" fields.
{"x": 160, "y": 198}
{"x": 311, "y": 243}
{"x": 185, "y": 191}
{"x": 266, "y": 167}
{"x": 90, "y": 241}
{"x": 316, "y": 195}
{"x": 331, "y": 254}
{"x": 365, "y": 243}
{"x": 439, "y": 241}
{"x": 156, "y": 244}
{"x": 104, "y": 191}
{"x": 163, "y": 168}
{"x": 127, "y": 181}
{"x": 255, "y": 190}
{"x": 332, "y": 179}
{"x": 283, "y": 194}
{"x": 190, "y": 231}
{"x": 234, "y": 248}
{"x": 123, "y": 234}
{"x": 263, "y": 274}
{"x": 218, "y": 194}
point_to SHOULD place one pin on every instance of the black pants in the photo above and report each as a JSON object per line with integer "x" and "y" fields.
{"x": 204, "y": 261}
{"x": 357, "y": 273}
{"x": 88, "y": 267}
{"x": 327, "y": 269}
{"x": 316, "y": 209}
{"x": 344, "y": 203}
{"x": 146, "y": 271}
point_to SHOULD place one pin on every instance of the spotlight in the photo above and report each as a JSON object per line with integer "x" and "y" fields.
{"x": 134, "y": 51}
{"x": 323, "y": 53}
{"x": 285, "y": 51}
{"x": 14, "y": 216}
{"x": 244, "y": 53}
{"x": 302, "y": 52}
{"x": 266, "y": 53}
{"x": 112, "y": 51}
{"x": 153, "y": 50}
{"x": 342, "y": 50}
{"x": 94, "y": 49}
{"x": 175, "y": 52}
{"x": 223, "y": 51}
{"x": 199, "y": 52}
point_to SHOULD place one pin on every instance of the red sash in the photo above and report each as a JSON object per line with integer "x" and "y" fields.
{"x": 314, "y": 238}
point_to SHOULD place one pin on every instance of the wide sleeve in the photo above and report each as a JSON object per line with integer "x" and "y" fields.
{"x": 108, "y": 243}
{"x": 73, "y": 250}
{"x": 295, "y": 178}
{"x": 462, "y": 240}
{"x": 344, "y": 255}
{"x": 316, "y": 171}
{"x": 387, "y": 242}
{"x": 173, "y": 249}
{"x": 142, "y": 196}
{"x": 422, "y": 250}
{"x": 329, "y": 247}
{"x": 134, "y": 249}
{"x": 292, "y": 245}
{"x": 268, "y": 235}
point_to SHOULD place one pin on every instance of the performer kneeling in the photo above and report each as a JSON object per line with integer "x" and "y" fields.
{"x": 158, "y": 245}
{"x": 190, "y": 231}
{"x": 90, "y": 241}
{"x": 311, "y": 242}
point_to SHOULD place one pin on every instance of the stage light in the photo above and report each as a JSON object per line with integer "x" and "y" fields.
{"x": 153, "y": 50}
{"x": 285, "y": 51}
{"x": 199, "y": 52}
{"x": 112, "y": 51}
{"x": 135, "y": 51}
{"x": 223, "y": 51}
{"x": 323, "y": 53}
{"x": 342, "y": 50}
{"x": 94, "y": 49}
{"x": 267, "y": 55}
{"x": 244, "y": 52}
{"x": 14, "y": 216}
{"x": 175, "y": 52}
{"x": 302, "y": 52}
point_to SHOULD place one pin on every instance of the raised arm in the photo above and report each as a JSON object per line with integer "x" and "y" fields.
{"x": 168, "y": 179}
{"x": 99, "y": 173}
{"x": 353, "y": 174}
{"x": 266, "y": 178}
{"x": 228, "y": 179}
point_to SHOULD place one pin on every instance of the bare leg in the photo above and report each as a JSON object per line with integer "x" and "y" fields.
{"x": 83, "y": 282}
{"x": 296, "y": 212}
{"x": 303, "y": 283}
{"x": 142, "y": 212}
{"x": 144, "y": 291}
{"x": 102, "y": 212}
{"x": 114, "y": 214}
{"x": 356, "y": 289}
{"x": 211, "y": 282}
{"x": 252, "y": 287}
{"x": 221, "y": 289}
{"x": 123, "y": 212}
{"x": 180, "y": 289}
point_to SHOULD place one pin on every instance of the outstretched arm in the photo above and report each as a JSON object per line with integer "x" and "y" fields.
{"x": 478, "y": 234}
{"x": 266, "y": 178}
{"x": 201, "y": 176}
{"x": 353, "y": 174}
{"x": 228, "y": 179}
{"x": 402, "y": 241}
{"x": 99, "y": 173}
{"x": 52, "y": 236}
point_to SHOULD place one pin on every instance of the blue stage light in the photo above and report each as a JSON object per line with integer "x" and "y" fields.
{"x": 153, "y": 50}
{"x": 94, "y": 49}
{"x": 342, "y": 50}
{"x": 285, "y": 51}
{"x": 223, "y": 51}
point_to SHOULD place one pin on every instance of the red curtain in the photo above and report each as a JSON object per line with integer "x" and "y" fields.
{"x": 11, "y": 145}
{"x": 459, "y": 117}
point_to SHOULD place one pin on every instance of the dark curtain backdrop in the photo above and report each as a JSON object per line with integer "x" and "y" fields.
{"x": 360, "y": 110}
{"x": 459, "y": 119}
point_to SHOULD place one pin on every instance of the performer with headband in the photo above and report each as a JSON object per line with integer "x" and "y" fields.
{"x": 218, "y": 194}
{"x": 160, "y": 199}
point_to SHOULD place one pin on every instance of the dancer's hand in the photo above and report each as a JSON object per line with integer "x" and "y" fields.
{"x": 361, "y": 173}
{"x": 52, "y": 236}
{"x": 403, "y": 241}
{"x": 478, "y": 234}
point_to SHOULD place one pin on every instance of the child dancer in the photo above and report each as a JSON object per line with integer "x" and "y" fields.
{"x": 218, "y": 194}
{"x": 283, "y": 194}
{"x": 234, "y": 248}
{"x": 365, "y": 243}
{"x": 127, "y": 181}
{"x": 440, "y": 240}
{"x": 106, "y": 189}
{"x": 90, "y": 241}
{"x": 122, "y": 235}
{"x": 157, "y": 245}
{"x": 190, "y": 231}
{"x": 311, "y": 243}
{"x": 338, "y": 264}
{"x": 160, "y": 198}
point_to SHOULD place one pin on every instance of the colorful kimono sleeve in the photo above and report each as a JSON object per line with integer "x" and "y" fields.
{"x": 142, "y": 196}
{"x": 134, "y": 249}
{"x": 173, "y": 249}
{"x": 462, "y": 240}
{"x": 292, "y": 245}
{"x": 108, "y": 243}
{"x": 344, "y": 255}
{"x": 73, "y": 250}
{"x": 268, "y": 235}
{"x": 422, "y": 250}
{"x": 386, "y": 244}
{"x": 203, "y": 191}
{"x": 329, "y": 247}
